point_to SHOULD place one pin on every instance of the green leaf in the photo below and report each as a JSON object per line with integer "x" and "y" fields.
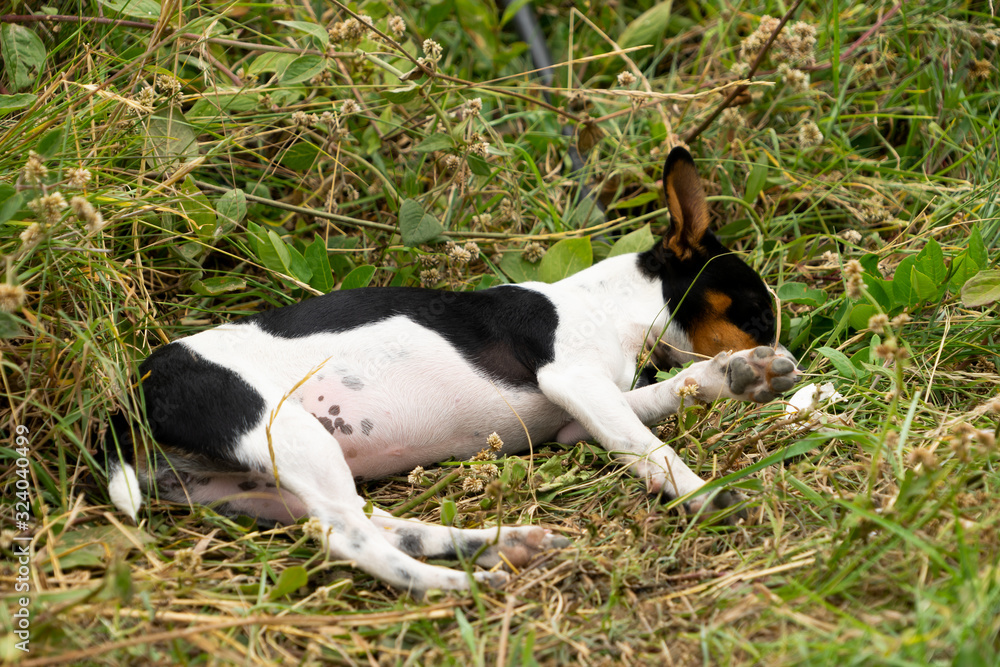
{"x": 271, "y": 62}
{"x": 169, "y": 140}
{"x": 221, "y": 285}
{"x": 902, "y": 288}
{"x": 23, "y": 55}
{"x": 478, "y": 165}
{"x": 302, "y": 69}
{"x": 840, "y": 362}
{"x": 400, "y": 95}
{"x": 860, "y": 314}
{"x": 10, "y": 103}
{"x": 436, "y": 142}
{"x": 197, "y": 210}
{"x": 231, "y": 208}
{"x": 649, "y": 28}
{"x": 756, "y": 180}
{"x": 280, "y": 249}
{"x": 310, "y": 29}
{"x": 50, "y": 144}
{"x": 10, "y": 206}
{"x": 930, "y": 262}
{"x": 510, "y": 10}
{"x": 319, "y": 261}
{"x": 962, "y": 268}
{"x": 290, "y": 580}
{"x": 298, "y": 267}
{"x": 415, "y": 226}
{"x": 448, "y": 511}
{"x": 9, "y": 328}
{"x": 924, "y": 288}
{"x": 517, "y": 268}
{"x": 300, "y": 157}
{"x": 640, "y": 240}
{"x": 212, "y": 106}
{"x": 359, "y": 277}
{"x": 142, "y": 9}
{"x": 981, "y": 289}
{"x": 801, "y": 293}
{"x": 564, "y": 259}
{"x": 634, "y": 202}
{"x": 977, "y": 250}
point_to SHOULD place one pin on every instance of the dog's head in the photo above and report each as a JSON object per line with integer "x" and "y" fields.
{"x": 718, "y": 301}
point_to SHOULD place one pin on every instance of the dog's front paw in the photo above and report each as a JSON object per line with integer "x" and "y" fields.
{"x": 707, "y": 508}
{"x": 760, "y": 374}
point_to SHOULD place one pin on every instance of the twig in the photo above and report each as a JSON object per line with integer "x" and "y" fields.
{"x": 736, "y": 92}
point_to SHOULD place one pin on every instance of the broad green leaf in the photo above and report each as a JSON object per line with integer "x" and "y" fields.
{"x": 415, "y": 226}
{"x": 860, "y": 314}
{"x": 23, "y": 55}
{"x": 142, "y": 9}
{"x": 902, "y": 288}
{"x": 640, "y": 240}
{"x": 9, "y": 328}
{"x": 169, "y": 140}
{"x": 311, "y": 29}
{"x": 478, "y": 165}
{"x": 298, "y": 267}
{"x": 359, "y": 277}
{"x": 197, "y": 210}
{"x": 564, "y": 259}
{"x": 271, "y": 62}
{"x": 400, "y": 95}
{"x": 10, "y": 103}
{"x": 634, "y": 202}
{"x": 231, "y": 208}
{"x": 265, "y": 250}
{"x": 756, "y": 180}
{"x": 517, "y": 268}
{"x": 649, "y": 28}
{"x": 300, "y": 157}
{"x": 212, "y": 106}
{"x": 290, "y": 580}
{"x": 220, "y": 285}
{"x": 801, "y": 293}
{"x": 840, "y": 362}
{"x": 977, "y": 249}
{"x": 923, "y": 286}
{"x": 319, "y": 261}
{"x": 10, "y": 206}
{"x": 962, "y": 268}
{"x": 436, "y": 142}
{"x": 50, "y": 144}
{"x": 930, "y": 262}
{"x": 981, "y": 289}
{"x": 302, "y": 69}
{"x": 280, "y": 249}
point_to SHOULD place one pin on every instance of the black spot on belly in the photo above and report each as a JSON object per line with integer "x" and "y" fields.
{"x": 320, "y": 398}
{"x": 367, "y": 426}
{"x": 353, "y": 382}
{"x": 328, "y": 425}
{"x": 345, "y": 428}
{"x": 248, "y": 485}
{"x": 334, "y": 410}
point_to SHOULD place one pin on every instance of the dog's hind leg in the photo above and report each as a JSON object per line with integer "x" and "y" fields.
{"x": 515, "y": 545}
{"x": 307, "y": 461}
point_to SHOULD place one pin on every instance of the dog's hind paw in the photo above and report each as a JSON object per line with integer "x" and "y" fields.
{"x": 708, "y": 509}
{"x": 760, "y": 374}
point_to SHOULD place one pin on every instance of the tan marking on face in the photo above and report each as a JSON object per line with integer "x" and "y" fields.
{"x": 714, "y": 333}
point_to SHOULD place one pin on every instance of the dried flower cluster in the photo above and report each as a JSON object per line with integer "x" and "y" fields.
{"x": 49, "y": 208}
{"x": 479, "y": 475}
{"x": 873, "y": 211}
{"x": 809, "y": 135}
{"x": 34, "y": 171}
{"x": 92, "y": 218}
{"x": 11, "y": 297}
{"x": 533, "y": 252}
{"x": 77, "y": 177}
{"x": 626, "y": 79}
{"x": 351, "y": 30}
{"x": 855, "y": 284}
{"x": 397, "y": 26}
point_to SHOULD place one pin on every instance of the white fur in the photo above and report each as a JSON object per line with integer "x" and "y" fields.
{"x": 123, "y": 487}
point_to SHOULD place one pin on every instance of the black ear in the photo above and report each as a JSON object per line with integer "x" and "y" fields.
{"x": 687, "y": 205}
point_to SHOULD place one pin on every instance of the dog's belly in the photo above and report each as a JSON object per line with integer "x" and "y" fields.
{"x": 419, "y": 415}
{"x": 394, "y": 394}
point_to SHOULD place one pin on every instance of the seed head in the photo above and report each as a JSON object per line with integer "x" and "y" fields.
{"x": 429, "y": 277}
{"x": 48, "y": 208}
{"x": 851, "y": 236}
{"x": 626, "y": 79}
{"x": 169, "y": 85}
{"x": 494, "y": 442}
{"x": 314, "y": 529}
{"x": 900, "y": 320}
{"x": 473, "y": 107}
{"x": 34, "y": 171}
{"x": 415, "y": 476}
{"x": 11, "y": 297}
{"x": 32, "y": 235}
{"x": 187, "y": 560}
{"x": 981, "y": 69}
{"x": 480, "y": 148}
{"x": 458, "y": 254}
{"x": 878, "y": 323}
{"x": 473, "y": 484}
{"x": 397, "y": 26}
{"x": 533, "y": 252}
{"x": 349, "y": 107}
{"x": 923, "y": 457}
{"x": 77, "y": 177}
{"x": 732, "y": 117}
{"x": 432, "y": 50}
{"x": 809, "y": 135}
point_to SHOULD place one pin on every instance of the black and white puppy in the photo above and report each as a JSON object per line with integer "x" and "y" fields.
{"x": 278, "y": 414}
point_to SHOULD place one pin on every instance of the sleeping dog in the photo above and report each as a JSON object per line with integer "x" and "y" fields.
{"x": 276, "y": 415}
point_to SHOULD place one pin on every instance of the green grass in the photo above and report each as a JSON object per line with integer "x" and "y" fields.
{"x": 874, "y": 540}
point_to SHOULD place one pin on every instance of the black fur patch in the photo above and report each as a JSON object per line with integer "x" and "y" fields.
{"x": 507, "y": 332}
{"x": 196, "y": 405}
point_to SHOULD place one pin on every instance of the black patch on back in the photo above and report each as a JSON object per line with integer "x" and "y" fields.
{"x": 195, "y": 405}
{"x": 686, "y": 282}
{"x": 506, "y": 332}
